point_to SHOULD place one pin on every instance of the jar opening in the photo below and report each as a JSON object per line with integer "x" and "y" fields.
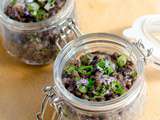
{"x": 65, "y": 12}
{"x": 102, "y": 42}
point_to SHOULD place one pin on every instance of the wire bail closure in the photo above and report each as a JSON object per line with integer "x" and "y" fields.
{"x": 144, "y": 51}
{"x": 52, "y": 99}
{"x": 50, "y": 91}
{"x": 65, "y": 29}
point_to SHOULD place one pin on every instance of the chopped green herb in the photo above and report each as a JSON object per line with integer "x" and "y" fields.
{"x": 90, "y": 83}
{"x": 134, "y": 74}
{"x": 77, "y": 78}
{"x": 41, "y": 15}
{"x": 101, "y": 91}
{"x": 33, "y": 8}
{"x": 52, "y": 2}
{"x": 101, "y": 64}
{"x": 85, "y": 70}
{"x": 117, "y": 87}
{"x": 13, "y": 2}
{"x": 108, "y": 70}
{"x": 122, "y": 60}
{"x": 71, "y": 69}
{"x": 83, "y": 89}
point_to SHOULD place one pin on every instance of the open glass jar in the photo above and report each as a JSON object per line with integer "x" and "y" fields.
{"x": 36, "y": 43}
{"x": 69, "y": 107}
{"x": 141, "y": 44}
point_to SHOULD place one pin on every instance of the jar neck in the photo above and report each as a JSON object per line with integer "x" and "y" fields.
{"x": 105, "y": 43}
{"x": 64, "y": 13}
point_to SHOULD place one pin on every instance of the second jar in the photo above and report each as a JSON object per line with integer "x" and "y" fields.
{"x": 36, "y": 43}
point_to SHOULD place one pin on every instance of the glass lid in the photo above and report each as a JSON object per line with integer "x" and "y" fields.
{"x": 146, "y": 31}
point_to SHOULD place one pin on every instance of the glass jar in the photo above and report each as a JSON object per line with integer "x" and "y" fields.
{"x": 36, "y": 43}
{"x": 126, "y": 107}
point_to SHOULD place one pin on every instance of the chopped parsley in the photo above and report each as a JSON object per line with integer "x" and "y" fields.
{"x": 85, "y": 70}
{"x": 105, "y": 67}
{"x": 117, "y": 88}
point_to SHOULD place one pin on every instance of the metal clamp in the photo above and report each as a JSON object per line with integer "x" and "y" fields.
{"x": 50, "y": 98}
{"x": 65, "y": 29}
{"x": 144, "y": 51}
{"x": 50, "y": 94}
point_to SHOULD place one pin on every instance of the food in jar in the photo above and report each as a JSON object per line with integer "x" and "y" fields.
{"x": 33, "y": 10}
{"x": 36, "y": 47}
{"x": 99, "y": 76}
{"x": 33, "y": 48}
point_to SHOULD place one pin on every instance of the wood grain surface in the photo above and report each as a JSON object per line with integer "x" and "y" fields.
{"x": 20, "y": 84}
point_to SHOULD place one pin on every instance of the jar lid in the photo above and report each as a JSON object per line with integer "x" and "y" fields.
{"x": 146, "y": 30}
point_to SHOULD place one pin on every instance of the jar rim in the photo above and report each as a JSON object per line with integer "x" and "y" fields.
{"x": 63, "y": 13}
{"x": 97, "y": 106}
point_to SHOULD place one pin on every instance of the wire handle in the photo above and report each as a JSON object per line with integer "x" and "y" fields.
{"x": 50, "y": 98}
{"x": 145, "y": 52}
{"x": 65, "y": 29}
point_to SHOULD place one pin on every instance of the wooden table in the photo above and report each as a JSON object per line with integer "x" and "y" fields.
{"x": 20, "y": 84}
